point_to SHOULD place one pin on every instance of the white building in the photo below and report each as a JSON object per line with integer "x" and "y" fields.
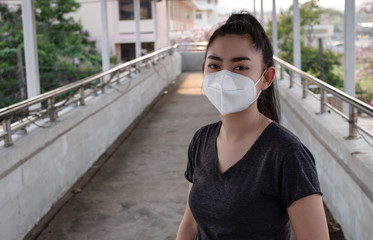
{"x": 206, "y": 14}
{"x": 121, "y": 23}
{"x": 313, "y": 33}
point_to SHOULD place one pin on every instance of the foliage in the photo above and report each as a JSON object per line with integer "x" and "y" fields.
{"x": 65, "y": 54}
{"x": 11, "y": 39}
{"x": 309, "y": 13}
{"x": 335, "y": 17}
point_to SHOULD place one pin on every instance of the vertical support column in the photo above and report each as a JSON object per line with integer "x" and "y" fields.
{"x": 104, "y": 40}
{"x": 349, "y": 51}
{"x": 31, "y": 51}
{"x": 262, "y": 14}
{"x": 254, "y": 9}
{"x": 136, "y": 6}
{"x": 155, "y": 20}
{"x": 168, "y": 25}
{"x": 274, "y": 28}
{"x": 321, "y": 60}
{"x": 296, "y": 36}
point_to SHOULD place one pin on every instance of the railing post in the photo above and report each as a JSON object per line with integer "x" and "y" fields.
{"x": 82, "y": 96}
{"x": 281, "y": 72}
{"x": 304, "y": 87}
{"x": 291, "y": 79}
{"x": 352, "y": 120}
{"x": 322, "y": 100}
{"x": 102, "y": 84}
{"x": 8, "y": 137}
{"x": 52, "y": 110}
{"x": 117, "y": 75}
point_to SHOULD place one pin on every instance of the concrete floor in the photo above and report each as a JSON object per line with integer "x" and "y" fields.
{"x": 140, "y": 192}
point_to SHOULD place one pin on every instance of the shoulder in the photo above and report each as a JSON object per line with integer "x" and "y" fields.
{"x": 285, "y": 143}
{"x": 206, "y": 131}
{"x": 290, "y": 146}
{"x": 204, "y": 136}
{"x": 281, "y": 136}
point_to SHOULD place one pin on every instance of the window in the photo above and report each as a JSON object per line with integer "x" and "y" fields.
{"x": 147, "y": 47}
{"x": 145, "y": 9}
{"x": 198, "y": 15}
{"x": 128, "y": 50}
{"x": 126, "y": 9}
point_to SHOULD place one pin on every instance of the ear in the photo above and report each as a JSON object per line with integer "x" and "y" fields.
{"x": 269, "y": 76}
{"x": 203, "y": 67}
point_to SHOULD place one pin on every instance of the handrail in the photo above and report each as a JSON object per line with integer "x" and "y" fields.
{"x": 4, "y": 112}
{"x": 360, "y": 105}
{"x": 7, "y": 114}
{"x": 354, "y": 103}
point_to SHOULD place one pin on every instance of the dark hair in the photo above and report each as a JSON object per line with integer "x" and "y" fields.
{"x": 243, "y": 23}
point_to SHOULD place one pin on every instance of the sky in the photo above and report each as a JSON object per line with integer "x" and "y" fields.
{"x": 227, "y": 6}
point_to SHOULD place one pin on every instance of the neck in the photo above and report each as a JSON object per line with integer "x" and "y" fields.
{"x": 238, "y": 125}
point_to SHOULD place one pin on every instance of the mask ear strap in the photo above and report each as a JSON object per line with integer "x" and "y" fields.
{"x": 257, "y": 83}
{"x": 265, "y": 70}
{"x": 258, "y": 95}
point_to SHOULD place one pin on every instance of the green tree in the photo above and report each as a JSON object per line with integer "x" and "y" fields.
{"x": 11, "y": 39}
{"x": 309, "y": 13}
{"x": 65, "y": 54}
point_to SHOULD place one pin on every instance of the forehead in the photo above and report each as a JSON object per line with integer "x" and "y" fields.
{"x": 232, "y": 45}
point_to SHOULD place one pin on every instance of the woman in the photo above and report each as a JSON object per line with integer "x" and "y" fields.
{"x": 249, "y": 177}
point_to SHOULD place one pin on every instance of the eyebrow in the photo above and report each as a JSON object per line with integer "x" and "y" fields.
{"x": 236, "y": 59}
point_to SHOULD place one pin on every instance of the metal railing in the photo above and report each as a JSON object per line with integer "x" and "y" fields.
{"x": 81, "y": 89}
{"x": 354, "y": 103}
{"x": 17, "y": 116}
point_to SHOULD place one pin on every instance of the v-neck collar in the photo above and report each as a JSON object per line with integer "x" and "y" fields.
{"x": 245, "y": 156}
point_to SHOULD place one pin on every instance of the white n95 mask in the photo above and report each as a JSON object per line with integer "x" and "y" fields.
{"x": 230, "y": 92}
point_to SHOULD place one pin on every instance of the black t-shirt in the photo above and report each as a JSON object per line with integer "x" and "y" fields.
{"x": 250, "y": 199}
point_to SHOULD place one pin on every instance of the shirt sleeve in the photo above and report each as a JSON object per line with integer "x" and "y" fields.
{"x": 191, "y": 158}
{"x": 298, "y": 175}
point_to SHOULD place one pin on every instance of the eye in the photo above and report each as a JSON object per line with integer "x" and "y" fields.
{"x": 213, "y": 66}
{"x": 240, "y": 68}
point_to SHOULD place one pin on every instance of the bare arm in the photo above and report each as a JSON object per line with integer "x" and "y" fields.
{"x": 188, "y": 226}
{"x": 308, "y": 219}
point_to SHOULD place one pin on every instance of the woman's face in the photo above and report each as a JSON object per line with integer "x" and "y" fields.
{"x": 235, "y": 53}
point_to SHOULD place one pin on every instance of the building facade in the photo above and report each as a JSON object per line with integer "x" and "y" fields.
{"x": 122, "y": 26}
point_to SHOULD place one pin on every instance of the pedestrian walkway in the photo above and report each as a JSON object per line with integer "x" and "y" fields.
{"x": 140, "y": 192}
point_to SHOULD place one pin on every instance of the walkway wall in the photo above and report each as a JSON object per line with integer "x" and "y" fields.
{"x": 42, "y": 165}
{"x": 345, "y": 167}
